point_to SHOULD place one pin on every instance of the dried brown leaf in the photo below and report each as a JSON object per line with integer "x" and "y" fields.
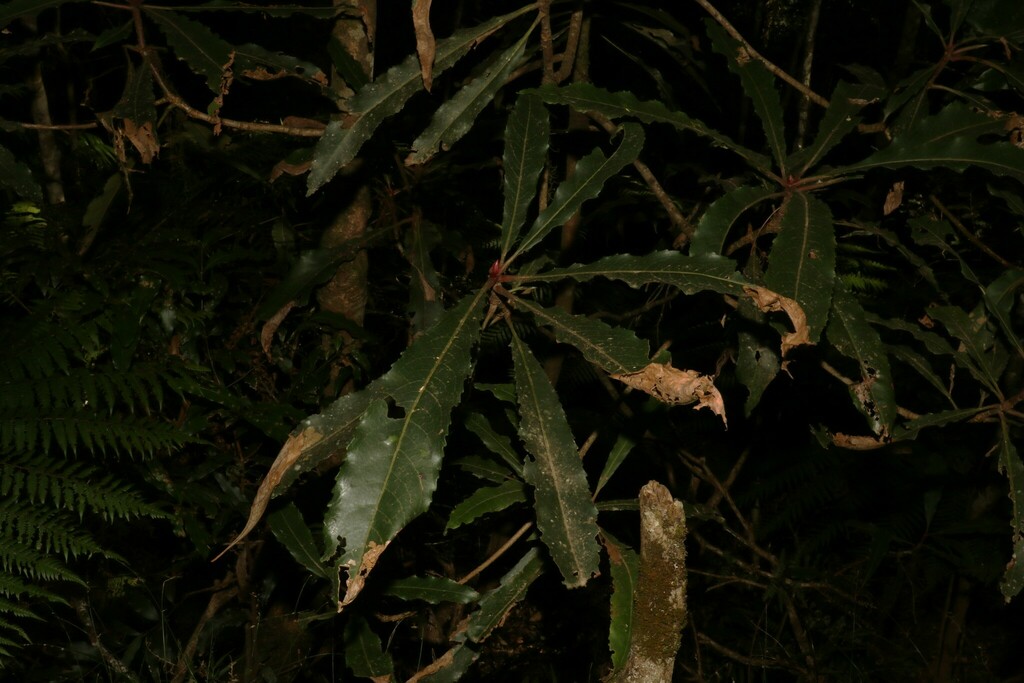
{"x": 772, "y": 302}
{"x": 676, "y": 387}
{"x": 425, "y": 43}
{"x": 143, "y": 139}
{"x": 893, "y": 199}
{"x": 270, "y": 327}
{"x": 357, "y": 579}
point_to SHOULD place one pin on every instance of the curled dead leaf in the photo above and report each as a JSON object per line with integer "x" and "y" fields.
{"x": 857, "y": 442}
{"x": 357, "y": 579}
{"x": 270, "y": 327}
{"x": 772, "y": 302}
{"x": 893, "y": 199}
{"x": 293, "y": 448}
{"x": 676, "y": 387}
{"x": 425, "y": 44}
{"x": 143, "y": 139}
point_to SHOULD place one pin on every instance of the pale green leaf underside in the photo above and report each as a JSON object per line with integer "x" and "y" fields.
{"x": 454, "y": 118}
{"x": 566, "y": 515}
{"x": 802, "y": 263}
{"x": 614, "y": 349}
{"x": 589, "y": 176}
{"x": 526, "y": 147}
{"x": 386, "y": 96}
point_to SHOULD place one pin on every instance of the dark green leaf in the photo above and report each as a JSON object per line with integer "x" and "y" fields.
{"x": 716, "y": 222}
{"x": 759, "y": 86}
{"x": 260, "y": 64}
{"x": 205, "y": 52}
{"x": 585, "y": 97}
{"x": 391, "y": 470}
{"x": 499, "y": 444}
{"x": 454, "y": 118}
{"x": 839, "y": 120}
{"x": 940, "y": 419}
{"x": 1000, "y": 297}
{"x": 497, "y": 603}
{"x": 27, "y": 8}
{"x": 136, "y": 102}
{"x": 850, "y": 333}
{"x": 802, "y": 263}
{"x": 526, "y": 147}
{"x": 614, "y": 349}
{"x": 590, "y": 175}
{"x": 566, "y": 515}
{"x": 623, "y": 445}
{"x": 1011, "y": 466}
{"x": 986, "y": 356}
{"x": 691, "y": 274}
{"x": 624, "y": 564}
{"x": 922, "y": 366}
{"x": 486, "y": 500}
{"x": 949, "y": 140}
{"x": 485, "y": 468}
{"x": 424, "y": 286}
{"x": 290, "y": 529}
{"x": 386, "y": 96}
{"x": 756, "y": 367}
{"x": 432, "y": 589}
{"x": 17, "y": 177}
{"x": 363, "y": 651}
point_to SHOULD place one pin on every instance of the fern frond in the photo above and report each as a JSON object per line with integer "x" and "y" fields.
{"x": 47, "y": 531}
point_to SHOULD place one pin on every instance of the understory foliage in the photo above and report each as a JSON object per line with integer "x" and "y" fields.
{"x": 340, "y": 340}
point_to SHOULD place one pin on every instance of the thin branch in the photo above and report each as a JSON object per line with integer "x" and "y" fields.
{"x": 56, "y": 126}
{"x": 971, "y": 237}
{"x": 547, "y": 46}
{"x": 497, "y": 553}
{"x": 758, "y": 662}
{"x": 572, "y": 44}
{"x": 812, "y": 30}
{"x": 84, "y": 616}
{"x": 731, "y": 30}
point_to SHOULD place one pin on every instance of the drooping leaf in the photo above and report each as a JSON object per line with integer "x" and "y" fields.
{"x": 840, "y": 119}
{"x": 290, "y": 529}
{"x": 623, "y": 445}
{"x": 566, "y": 515}
{"x": 1000, "y": 297}
{"x": 932, "y": 420}
{"x": 851, "y": 334}
{"x": 485, "y": 468}
{"x": 1011, "y": 466}
{"x": 614, "y": 349}
{"x": 590, "y": 175}
{"x": 585, "y": 97}
{"x": 802, "y": 263}
{"x": 497, "y": 603}
{"x": 691, "y": 274}
{"x": 386, "y": 96}
{"x": 716, "y": 222}
{"x": 16, "y": 176}
{"x": 206, "y": 53}
{"x": 922, "y": 366}
{"x": 948, "y": 140}
{"x": 98, "y": 207}
{"x": 486, "y": 500}
{"x": 624, "y": 564}
{"x": 985, "y": 357}
{"x": 136, "y": 103}
{"x": 499, "y": 444}
{"x": 260, "y": 64}
{"x": 364, "y": 653}
{"x": 432, "y": 589}
{"x": 526, "y": 147}
{"x": 758, "y": 84}
{"x": 756, "y": 366}
{"x": 455, "y": 117}
{"x": 391, "y": 470}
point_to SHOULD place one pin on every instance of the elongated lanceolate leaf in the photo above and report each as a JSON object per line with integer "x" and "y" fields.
{"x": 205, "y": 52}
{"x": 950, "y": 140}
{"x": 486, "y": 500}
{"x": 759, "y": 86}
{"x": 1010, "y": 464}
{"x": 930, "y": 421}
{"x": 922, "y": 366}
{"x": 756, "y": 367}
{"x": 499, "y": 444}
{"x": 839, "y": 120}
{"x": 454, "y": 118}
{"x": 1000, "y": 297}
{"x": 290, "y": 529}
{"x": 566, "y": 515}
{"x": 691, "y": 274}
{"x": 136, "y": 102}
{"x": 386, "y": 96}
{"x": 852, "y": 335}
{"x": 585, "y": 97}
{"x": 617, "y": 456}
{"x": 497, "y": 603}
{"x": 614, "y": 349}
{"x": 432, "y": 589}
{"x": 983, "y": 357}
{"x": 590, "y": 175}
{"x": 802, "y": 263}
{"x": 526, "y": 146}
{"x": 624, "y": 564}
{"x": 716, "y": 222}
{"x": 391, "y": 470}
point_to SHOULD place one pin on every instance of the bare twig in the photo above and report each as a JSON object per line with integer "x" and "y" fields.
{"x": 971, "y": 237}
{"x": 759, "y": 662}
{"x": 572, "y": 44}
{"x": 85, "y": 616}
{"x": 547, "y": 46}
{"x": 497, "y": 553}
{"x": 225, "y": 591}
{"x": 812, "y": 30}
